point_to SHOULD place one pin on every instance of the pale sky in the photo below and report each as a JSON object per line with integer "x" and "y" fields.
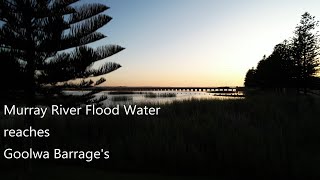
{"x": 196, "y": 42}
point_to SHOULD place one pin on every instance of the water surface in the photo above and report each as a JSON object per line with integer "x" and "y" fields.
{"x": 140, "y": 97}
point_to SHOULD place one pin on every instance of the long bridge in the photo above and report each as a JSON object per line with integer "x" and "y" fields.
{"x": 236, "y": 89}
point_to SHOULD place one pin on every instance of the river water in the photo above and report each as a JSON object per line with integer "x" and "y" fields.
{"x": 151, "y": 97}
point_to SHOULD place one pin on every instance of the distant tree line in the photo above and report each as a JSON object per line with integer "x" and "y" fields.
{"x": 293, "y": 63}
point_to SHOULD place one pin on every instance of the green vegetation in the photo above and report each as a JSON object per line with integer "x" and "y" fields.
{"x": 121, "y": 98}
{"x": 262, "y": 136}
{"x": 161, "y": 95}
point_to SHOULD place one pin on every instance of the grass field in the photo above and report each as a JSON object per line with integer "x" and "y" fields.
{"x": 263, "y": 136}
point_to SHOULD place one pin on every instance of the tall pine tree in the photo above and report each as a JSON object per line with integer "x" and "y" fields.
{"x": 305, "y": 50}
{"x": 45, "y": 42}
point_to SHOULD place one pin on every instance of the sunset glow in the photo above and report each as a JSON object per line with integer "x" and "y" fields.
{"x": 196, "y": 43}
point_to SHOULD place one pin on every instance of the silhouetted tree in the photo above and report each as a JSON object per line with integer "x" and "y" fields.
{"x": 45, "y": 42}
{"x": 274, "y": 71}
{"x": 251, "y": 79}
{"x": 280, "y": 66}
{"x": 305, "y": 50}
{"x": 292, "y": 63}
{"x": 267, "y": 72}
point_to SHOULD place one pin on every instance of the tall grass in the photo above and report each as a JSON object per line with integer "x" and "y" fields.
{"x": 121, "y": 98}
{"x": 260, "y": 137}
{"x": 159, "y": 95}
